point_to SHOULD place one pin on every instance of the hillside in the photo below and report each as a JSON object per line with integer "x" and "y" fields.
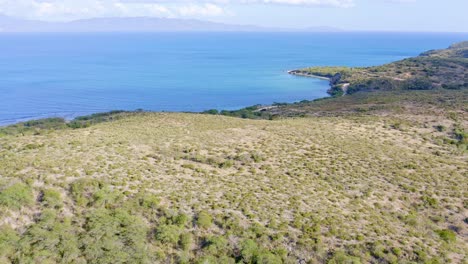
{"x": 446, "y": 69}
{"x": 370, "y": 177}
{"x": 210, "y": 189}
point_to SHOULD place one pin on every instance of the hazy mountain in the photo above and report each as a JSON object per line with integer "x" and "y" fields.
{"x": 9, "y": 24}
{"x": 323, "y": 29}
{"x": 134, "y": 24}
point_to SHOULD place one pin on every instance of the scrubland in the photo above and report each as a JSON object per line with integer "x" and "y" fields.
{"x": 378, "y": 175}
{"x": 192, "y": 188}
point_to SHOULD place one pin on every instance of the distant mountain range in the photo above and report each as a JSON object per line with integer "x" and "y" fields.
{"x": 135, "y": 24}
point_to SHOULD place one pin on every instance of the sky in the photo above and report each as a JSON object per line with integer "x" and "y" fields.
{"x": 373, "y": 15}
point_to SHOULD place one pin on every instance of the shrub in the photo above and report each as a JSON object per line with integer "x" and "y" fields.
{"x": 51, "y": 238}
{"x": 207, "y": 260}
{"x": 181, "y": 219}
{"x": 447, "y": 235}
{"x": 186, "y": 241}
{"x": 396, "y": 251}
{"x": 106, "y": 197}
{"x": 204, "y": 220}
{"x": 83, "y": 189}
{"x": 257, "y": 157}
{"x": 183, "y": 257}
{"x": 114, "y": 236}
{"x": 148, "y": 201}
{"x": 226, "y": 260}
{"x": 268, "y": 258}
{"x": 16, "y": 196}
{"x": 168, "y": 234}
{"x": 249, "y": 251}
{"x": 440, "y": 128}
{"x": 429, "y": 201}
{"x": 226, "y": 164}
{"x": 217, "y": 245}
{"x": 8, "y": 240}
{"x": 51, "y": 198}
{"x": 211, "y": 112}
{"x": 342, "y": 258}
{"x": 418, "y": 84}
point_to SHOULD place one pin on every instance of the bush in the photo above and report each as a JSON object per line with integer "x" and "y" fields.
{"x": 16, "y": 196}
{"x": 207, "y": 260}
{"x": 429, "y": 201}
{"x": 249, "y": 251}
{"x": 440, "y": 128}
{"x": 83, "y": 189}
{"x": 211, "y": 112}
{"x": 8, "y": 240}
{"x": 268, "y": 258}
{"x": 49, "y": 240}
{"x": 148, "y": 201}
{"x": 226, "y": 164}
{"x": 343, "y": 258}
{"x": 106, "y": 197}
{"x": 168, "y": 234}
{"x": 418, "y": 84}
{"x": 186, "y": 241}
{"x": 114, "y": 236}
{"x": 217, "y": 245}
{"x": 204, "y": 220}
{"x": 447, "y": 235}
{"x": 181, "y": 220}
{"x": 51, "y": 198}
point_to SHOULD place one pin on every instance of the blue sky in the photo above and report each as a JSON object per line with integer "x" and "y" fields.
{"x": 378, "y": 15}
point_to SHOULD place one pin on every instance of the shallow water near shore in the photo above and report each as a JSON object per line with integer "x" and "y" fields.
{"x": 67, "y": 75}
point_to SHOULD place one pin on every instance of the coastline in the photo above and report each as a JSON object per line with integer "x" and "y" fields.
{"x": 304, "y": 74}
{"x": 70, "y": 119}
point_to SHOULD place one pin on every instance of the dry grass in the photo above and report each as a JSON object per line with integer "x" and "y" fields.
{"x": 312, "y": 187}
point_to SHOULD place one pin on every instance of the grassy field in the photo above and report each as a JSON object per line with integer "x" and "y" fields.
{"x": 191, "y": 188}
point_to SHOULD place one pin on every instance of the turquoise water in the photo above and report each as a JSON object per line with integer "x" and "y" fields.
{"x": 66, "y": 75}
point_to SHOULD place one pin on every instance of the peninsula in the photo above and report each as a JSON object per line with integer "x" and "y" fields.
{"x": 433, "y": 69}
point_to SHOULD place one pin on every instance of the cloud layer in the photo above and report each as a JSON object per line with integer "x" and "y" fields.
{"x": 73, "y": 9}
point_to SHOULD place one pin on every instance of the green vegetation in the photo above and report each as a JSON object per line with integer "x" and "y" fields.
{"x": 447, "y": 235}
{"x": 349, "y": 189}
{"x": 16, "y": 196}
{"x": 377, "y": 177}
{"x": 204, "y": 220}
{"x": 48, "y": 124}
{"x": 444, "y": 69}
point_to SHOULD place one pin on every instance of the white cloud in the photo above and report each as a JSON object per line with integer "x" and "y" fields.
{"x": 75, "y": 9}
{"x": 332, "y": 3}
{"x": 401, "y": 1}
{"x": 204, "y": 10}
{"x": 335, "y": 3}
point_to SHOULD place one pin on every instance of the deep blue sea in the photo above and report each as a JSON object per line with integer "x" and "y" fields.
{"x": 67, "y": 75}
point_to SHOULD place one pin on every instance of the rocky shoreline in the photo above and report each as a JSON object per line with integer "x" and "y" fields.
{"x": 335, "y": 89}
{"x": 307, "y": 74}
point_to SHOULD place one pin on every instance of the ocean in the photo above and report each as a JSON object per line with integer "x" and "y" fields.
{"x": 68, "y": 75}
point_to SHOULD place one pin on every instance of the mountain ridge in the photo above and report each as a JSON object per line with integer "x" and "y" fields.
{"x": 138, "y": 24}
